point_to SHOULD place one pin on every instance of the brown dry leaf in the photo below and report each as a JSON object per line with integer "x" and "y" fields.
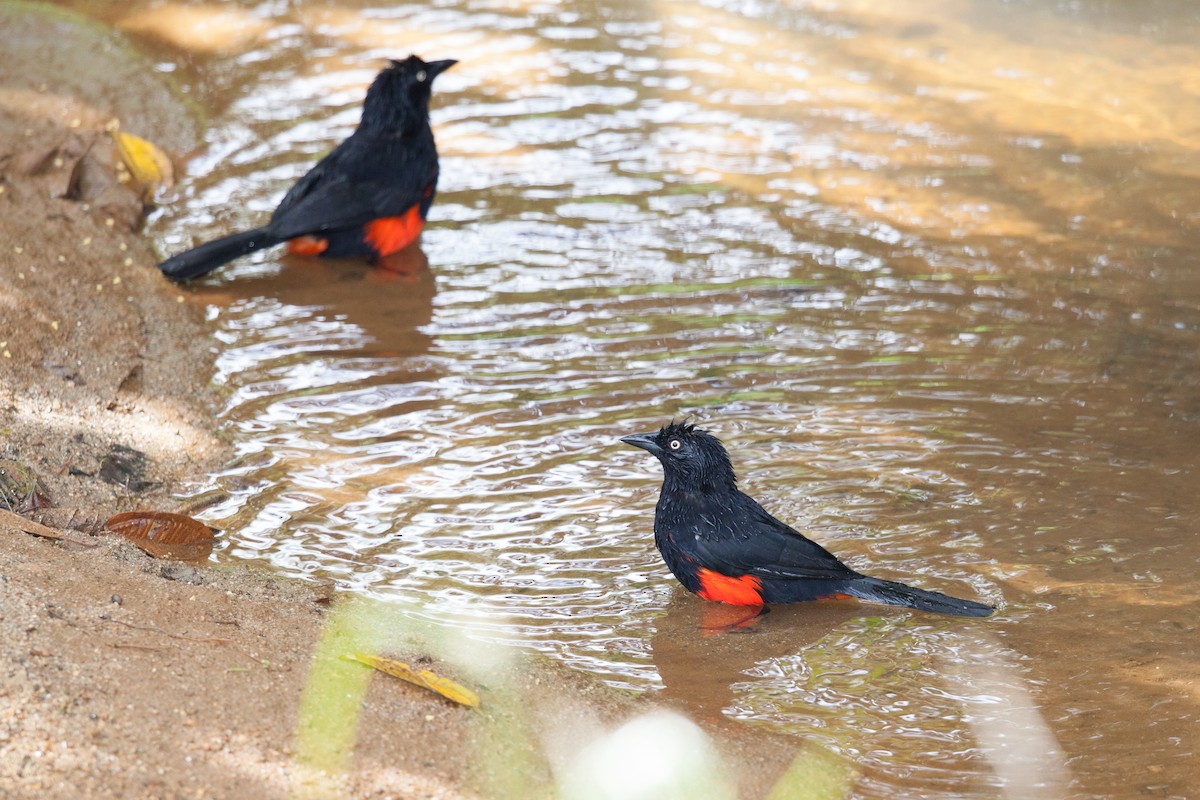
{"x": 37, "y": 529}
{"x": 75, "y": 519}
{"x": 36, "y": 500}
{"x": 148, "y": 165}
{"x": 89, "y": 178}
{"x": 421, "y": 677}
{"x": 96, "y": 179}
{"x": 164, "y": 535}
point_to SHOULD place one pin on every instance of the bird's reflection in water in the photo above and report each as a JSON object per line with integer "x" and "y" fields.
{"x": 390, "y": 301}
{"x": 701, "y": 649}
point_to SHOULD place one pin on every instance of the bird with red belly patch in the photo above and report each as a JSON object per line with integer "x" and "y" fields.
{"x": 367, "y": 199}
{"x": 722, "y": 545}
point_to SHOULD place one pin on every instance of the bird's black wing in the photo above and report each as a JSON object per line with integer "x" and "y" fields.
{"x": 332, "y": 204}
{"x": 363, "y": 179}
{"x": 311, "y": 180}
{"x": 755, "y": 543}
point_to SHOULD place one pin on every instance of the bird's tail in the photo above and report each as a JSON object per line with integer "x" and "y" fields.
{"x": 897, "y": 594}
{"x": 210, "y": 255}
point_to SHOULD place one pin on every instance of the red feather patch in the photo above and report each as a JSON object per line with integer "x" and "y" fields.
{"x": 307, "y": 246}
{"x": 389, "y": 235}
{"x": 740, "y": 591}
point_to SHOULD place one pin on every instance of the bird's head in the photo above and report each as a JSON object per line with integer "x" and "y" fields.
{"x": 689, "y": 455}
{"x": 399, "y": 96}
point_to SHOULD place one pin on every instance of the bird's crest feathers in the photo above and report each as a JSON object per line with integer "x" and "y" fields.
{"x": 683, "y": 428}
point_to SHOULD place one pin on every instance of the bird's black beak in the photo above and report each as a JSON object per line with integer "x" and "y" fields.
{"x": 646, "y": 441}
{"x": 435, "y": 68}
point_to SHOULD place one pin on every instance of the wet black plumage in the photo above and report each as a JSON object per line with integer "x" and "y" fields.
{"x": 721, "y": 544}
{"x": 388, "y": 166}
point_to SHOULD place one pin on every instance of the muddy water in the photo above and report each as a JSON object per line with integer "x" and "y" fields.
{"x": 929, "y": 271}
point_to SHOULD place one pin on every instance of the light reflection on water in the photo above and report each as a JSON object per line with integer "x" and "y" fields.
{"x": 941, "y": 322}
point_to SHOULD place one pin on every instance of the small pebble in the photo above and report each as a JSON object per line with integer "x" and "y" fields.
{"x": 116, "y": 598}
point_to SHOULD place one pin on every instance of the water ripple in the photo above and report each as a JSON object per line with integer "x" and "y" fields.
{"x": 904, "y": 323}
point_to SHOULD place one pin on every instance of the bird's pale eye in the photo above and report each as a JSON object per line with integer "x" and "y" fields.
{"x": 421, "y": 76}
{"x": 675, "y": 444}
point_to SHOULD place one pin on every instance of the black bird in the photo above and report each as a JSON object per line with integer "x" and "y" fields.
{"x": 722, "y": 545}
{"x": 366, "y": 199}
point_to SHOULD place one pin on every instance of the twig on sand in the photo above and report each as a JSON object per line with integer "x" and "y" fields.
{"x": 37, "y": 529}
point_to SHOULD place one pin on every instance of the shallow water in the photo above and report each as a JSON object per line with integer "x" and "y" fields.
{"x": 929, "y": 271}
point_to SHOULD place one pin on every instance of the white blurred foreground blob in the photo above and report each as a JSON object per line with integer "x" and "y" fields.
{"x": 661, "y": 756}
{"x": 1012, "y": 733}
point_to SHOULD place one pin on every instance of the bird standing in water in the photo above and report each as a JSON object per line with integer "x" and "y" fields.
{"x": 366, "y": 199}
{"x": 723, "y": 546}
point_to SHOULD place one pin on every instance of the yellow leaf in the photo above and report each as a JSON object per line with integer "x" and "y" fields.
{"x": 148, "y": 165}
{"x": 424, "y": 678}
{"x": 449, "y": 689}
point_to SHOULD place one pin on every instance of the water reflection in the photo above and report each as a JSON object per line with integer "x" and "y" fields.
{"x": 928, "y": 269}
{"x": 401, "y": 291}
{"x": 700, "y": 651}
